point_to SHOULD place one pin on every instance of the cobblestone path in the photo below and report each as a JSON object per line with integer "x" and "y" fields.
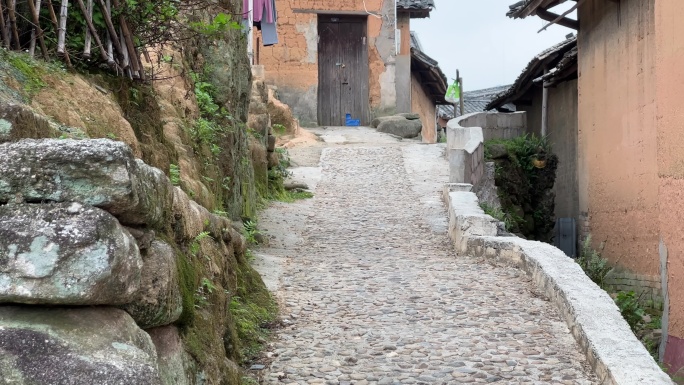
{"x": 373, "y": 296}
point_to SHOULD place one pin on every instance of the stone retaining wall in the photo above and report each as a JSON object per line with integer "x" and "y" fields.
{"x": 616, "y": 355}
{"x": 83, "y": 223}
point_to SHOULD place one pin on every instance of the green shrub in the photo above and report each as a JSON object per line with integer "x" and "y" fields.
{"x": 594, "y": 265}
{"x": 510, "y": 220}
{"x": 630, "y": 309}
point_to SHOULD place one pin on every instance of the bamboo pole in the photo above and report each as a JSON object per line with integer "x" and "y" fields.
{"x": 32, "y": 47}
{"x": 110, "y": 27}
{"x": 125, "y": 60}
{"x": 61, "y": 31}
{"x": 88, "y": 34}
{"x": 13, "y": 21}
{"x": 110, "y": 47}
{"x": 55, "y": 25}
{"x": 136, "y": 63}
{"x": 89, "y": 21}
{"x": 8, "y": 25}
{"x": 5, "y": 33}
{"x": 38, "y": 31}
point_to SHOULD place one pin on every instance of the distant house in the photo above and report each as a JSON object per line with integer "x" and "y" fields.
{"x": 547, "y": 90}
{"x": 343, "y": 57}
{"x": 630, "y": 60}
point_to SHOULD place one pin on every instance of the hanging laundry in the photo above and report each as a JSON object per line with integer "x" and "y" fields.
{"x": 264, "y": 9}
{"x": 265, "y": 19}
{"x": 267, "y": 23}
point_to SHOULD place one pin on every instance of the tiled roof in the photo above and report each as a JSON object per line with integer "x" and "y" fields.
{"x": 534, "y": 69}
{"x": 473, "y": 101}
{"x": 415, "y": 41}
{"x": 524, "y": 8}
{"x": 416, "y": 4}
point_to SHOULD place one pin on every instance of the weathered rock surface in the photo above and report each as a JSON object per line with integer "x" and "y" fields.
{"x": 100, "y": 172}
{"x": 83, "y": 346}
{"x": 172, "y": 360}
{"x": 66, "y": 254}
{"x": 158, "y": 302}
{"x": 18, "y": 121}
{"x": 401, "y": 127}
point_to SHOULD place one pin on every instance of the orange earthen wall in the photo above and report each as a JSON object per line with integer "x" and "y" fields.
{"x": 422, "y": 105}
{"x": 670, "y": 133}
{"x": 292, "y": 65}
{"x": 618, "y": 150}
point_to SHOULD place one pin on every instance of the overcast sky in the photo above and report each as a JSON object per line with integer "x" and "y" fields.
{"x": 478, "y": 38}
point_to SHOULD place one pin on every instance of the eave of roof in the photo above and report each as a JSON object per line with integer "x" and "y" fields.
{"x": 432, "y": 79}
{"x": 524, "y": 8}
{"x": 534, "y": 70}
{"x": 416, "y": 8}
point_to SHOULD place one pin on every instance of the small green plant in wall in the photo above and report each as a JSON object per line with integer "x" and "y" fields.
{"x": 251, "y": 231}
{"x": 195, "y": 244}
{"x": 174, "y": 174}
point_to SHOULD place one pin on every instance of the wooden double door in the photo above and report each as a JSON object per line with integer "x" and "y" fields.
{"x": 343, "y": 83}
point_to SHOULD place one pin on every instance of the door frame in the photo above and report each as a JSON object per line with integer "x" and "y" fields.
{"x": 324, "y": 18}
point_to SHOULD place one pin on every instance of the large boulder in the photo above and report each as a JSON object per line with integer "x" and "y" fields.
{"x": 409, "y": 116}
{"x": 66, "y": 254}
{"x": 99, "y": 172}
{"x": 376, "y": 122}
{"x": 174, "y": 362}
{"x": 159, "y": 301}
{"x": 80, "y": 346}
{"x": 401, "y": 127}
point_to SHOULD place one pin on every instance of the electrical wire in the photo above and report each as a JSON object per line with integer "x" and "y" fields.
{"x": 370, "y": 13}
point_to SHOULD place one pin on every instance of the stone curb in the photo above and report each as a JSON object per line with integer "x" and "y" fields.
{"x": 615, "y": 354}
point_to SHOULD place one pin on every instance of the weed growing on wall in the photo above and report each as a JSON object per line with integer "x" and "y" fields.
{"x": 594, "y": 265}
{"x": 630, "y": 309}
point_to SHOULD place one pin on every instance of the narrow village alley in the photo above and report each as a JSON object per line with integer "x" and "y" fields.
{"x": 371, "y": 291}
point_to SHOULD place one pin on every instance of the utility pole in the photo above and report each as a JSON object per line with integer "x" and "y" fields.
{"x": 459, "y": 81}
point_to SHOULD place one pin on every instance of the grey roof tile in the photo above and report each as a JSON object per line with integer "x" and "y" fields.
{"x": 474, "y": 101}
{"x": 416, "y": 4}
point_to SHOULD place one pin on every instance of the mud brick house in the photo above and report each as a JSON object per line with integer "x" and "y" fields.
{"x": 342, "y": 57}
{"x": 631, "y": 143}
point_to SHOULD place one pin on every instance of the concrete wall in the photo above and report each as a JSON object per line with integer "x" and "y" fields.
{"x": 423, "y": 105}
{"x": 562, "y": 135}
{"x": 403, "y": 72}
{"x": 465, "y": 142}
{"x": 617, "y": 147}
{"x": 669, "y": 47}
{"x": 292, "y": 65}
{"x": 497, "y": 125}
{"x": 534, "y": 111}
